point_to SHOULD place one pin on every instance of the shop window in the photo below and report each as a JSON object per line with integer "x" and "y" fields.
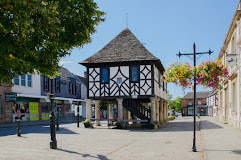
{"x": 29, "y": 80}
{"x": 23, "y": 80}
{"x": 135, "y": 74}
{"x": 199, "y": 102}
{"x": 16, "y": 80}
{"x": 45, "y": 107}
{"x": 104, "y": 75}
{"x": 46, "y": 83}
{"x": 57, "y": 84}
{"x": 21, "y": 111}
{"x": 190, "y": 103}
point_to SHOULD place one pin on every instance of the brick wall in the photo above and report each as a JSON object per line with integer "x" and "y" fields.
{"x": 6, "y": 114}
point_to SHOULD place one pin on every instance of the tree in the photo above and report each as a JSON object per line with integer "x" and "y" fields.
{"x": 35, "y": 34}
{"x": 178, "y": 104}
{"x": 175, "y": 104}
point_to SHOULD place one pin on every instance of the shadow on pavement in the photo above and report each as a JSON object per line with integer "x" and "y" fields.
{"x": 33, "y": 129}
{"x": 237, "y": 151}
{"x": 209, "y": 125}
{"x": 177, "y": 126}
{"x": 101, "y": 157}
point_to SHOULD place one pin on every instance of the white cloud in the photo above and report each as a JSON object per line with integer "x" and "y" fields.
{"x": 64, "y": 62}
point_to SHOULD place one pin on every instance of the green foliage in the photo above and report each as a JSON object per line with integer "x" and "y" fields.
{"x": 175, "y": 104}
{"x": 35, "y": 34}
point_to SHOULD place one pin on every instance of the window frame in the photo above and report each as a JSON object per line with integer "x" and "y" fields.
{"x": 46, "y": 83}
{"x": 72, "y": 86}
{"x": 138, "y": 74}
{"x": 29, "y": 81}
{"x": 198, "y": 102}
{"x": 23, "y": 79}
{"x": 234, "y": 100}
{"x": 16, "y": 78}
{"x": 189, "y": 103}
{"x": 57, "y": 84}
{"x": 101, "y": 75}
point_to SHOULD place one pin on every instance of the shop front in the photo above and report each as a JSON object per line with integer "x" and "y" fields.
{"x": 202, "y": 110}
{"x": 25, "y": 109}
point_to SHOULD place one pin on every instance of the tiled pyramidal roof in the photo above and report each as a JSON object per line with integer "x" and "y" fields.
{"x": 123, "y": 48}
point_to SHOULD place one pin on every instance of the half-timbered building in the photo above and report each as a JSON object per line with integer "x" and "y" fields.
{"x": 125, "y": 73}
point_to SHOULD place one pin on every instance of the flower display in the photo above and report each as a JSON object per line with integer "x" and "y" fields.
{"x": 211, "y": 73}
{"x": 208, "y": 74}
{"x": 180, "y": 74}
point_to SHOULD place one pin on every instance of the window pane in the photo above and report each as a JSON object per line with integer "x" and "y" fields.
{"x": 29, "y": 81}
{"x": 23, "y": 80}
{"x": 16, "y": 80}
{"x": 134, "y": 73}
{"x": 190, "y": 103}
{"x": 46, "y": 83}
{"x": 104, "y": 75}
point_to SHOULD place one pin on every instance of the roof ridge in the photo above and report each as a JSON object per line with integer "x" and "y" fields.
{"x": 124, "y": 47}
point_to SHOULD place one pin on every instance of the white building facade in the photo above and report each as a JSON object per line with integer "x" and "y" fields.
{"x": 229, "y": 93}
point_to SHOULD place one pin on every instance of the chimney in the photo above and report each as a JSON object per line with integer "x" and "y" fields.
{"x": 85, "y": 74}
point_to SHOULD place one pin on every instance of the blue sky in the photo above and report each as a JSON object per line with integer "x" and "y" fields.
{"x": 164, "y": 27}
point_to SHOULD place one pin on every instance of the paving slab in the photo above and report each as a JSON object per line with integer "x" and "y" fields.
{"x": 172, "y": 141}
{"x": 220, "y": 141}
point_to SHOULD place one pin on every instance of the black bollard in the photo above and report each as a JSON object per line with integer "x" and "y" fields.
{"x": 57, "y": 124}
{"x": 78, "y": 117}
{"x": 18, "y": 128}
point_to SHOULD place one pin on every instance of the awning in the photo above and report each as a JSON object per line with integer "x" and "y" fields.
{"x": 202, "y": 106}
{"x": 55, "y": 98}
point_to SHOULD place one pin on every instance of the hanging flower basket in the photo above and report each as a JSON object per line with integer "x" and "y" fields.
{"x": 211, "y": 73}
{"x": 180, "y": 74}
{"x": 208, "y": 74}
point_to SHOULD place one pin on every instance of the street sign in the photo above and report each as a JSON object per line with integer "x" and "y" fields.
{"x": 231, "y": 60}
{"x": 10, "y": 97}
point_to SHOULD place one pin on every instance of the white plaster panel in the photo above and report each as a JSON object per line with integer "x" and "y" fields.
{"x": 145, "y": 71}
{"x": 113, "y": 71}
{"x": 35, "y": 89}
{"x": 98, "y": 92}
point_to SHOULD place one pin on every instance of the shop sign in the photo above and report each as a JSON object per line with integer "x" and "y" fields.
{"x": 33, "y": 109}
{"x": 231, "y": 60}
{"x": 10, "y": 97}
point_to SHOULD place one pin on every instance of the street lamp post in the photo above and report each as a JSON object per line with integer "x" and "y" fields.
{"x": 194, "y": 149}
{"x": 53, "y": 142}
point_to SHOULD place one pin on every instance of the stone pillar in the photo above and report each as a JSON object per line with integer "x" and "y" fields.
{"x": 97, "y": 111}
{"x": 120, "y": 109}
{"x": 165, "y": 112}
{"x": 88, "y": 108}
{"x": 161, "y": 112}
{"x": 110, "y": 111}
{"x": 157, "y": 110}
{"x": 153, "y": 109}
{"x": 128, "y": 115}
